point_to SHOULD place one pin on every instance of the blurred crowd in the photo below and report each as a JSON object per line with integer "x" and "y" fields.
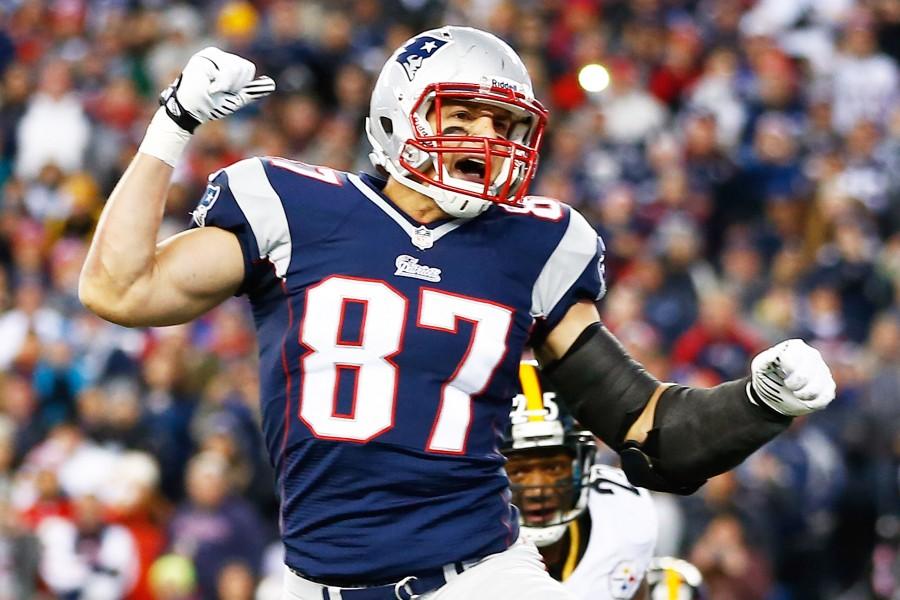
{"x": 742, "y": 166}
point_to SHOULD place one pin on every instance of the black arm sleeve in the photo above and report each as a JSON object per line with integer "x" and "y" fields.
{"x": 601, "y": 385}
{"x": 697, "y": 433}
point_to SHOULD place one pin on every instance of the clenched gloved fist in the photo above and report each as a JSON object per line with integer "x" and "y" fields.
{"x": 213, "y": 85}
{"x": 791, "y": 378}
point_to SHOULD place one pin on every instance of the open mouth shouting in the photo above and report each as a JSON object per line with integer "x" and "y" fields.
{"x": 469, "y": 168}
{"x": 538, "y": 517}
{"x": 541, "y": 510}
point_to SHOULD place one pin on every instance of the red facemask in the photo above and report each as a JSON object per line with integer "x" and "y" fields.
{"x": 518, "y": 154}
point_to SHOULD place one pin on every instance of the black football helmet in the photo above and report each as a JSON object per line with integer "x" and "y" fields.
{"x": 539, "y": 426}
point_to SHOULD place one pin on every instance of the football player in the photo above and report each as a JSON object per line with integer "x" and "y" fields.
{"x": 596, "y": 531}
{"x": 391, "y": 314}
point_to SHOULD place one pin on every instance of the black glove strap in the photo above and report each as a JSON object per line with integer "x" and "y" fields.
{"x": 168, "y": 99}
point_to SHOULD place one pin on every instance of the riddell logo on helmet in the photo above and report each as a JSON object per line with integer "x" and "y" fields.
{"x": 421, "y": 128}
{"x": 505, "y": 84}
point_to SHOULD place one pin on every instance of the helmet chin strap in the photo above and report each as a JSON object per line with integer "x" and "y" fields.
{"x": 543, "y": 536}
{"x": 455, "y": 204}
{"x": 460, "y": 206}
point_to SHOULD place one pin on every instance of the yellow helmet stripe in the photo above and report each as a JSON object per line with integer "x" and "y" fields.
{"x": 673, "y": 583}
{"x": 531, "y": 389}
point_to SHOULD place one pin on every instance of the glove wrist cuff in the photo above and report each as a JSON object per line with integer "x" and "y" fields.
{"x": 164, "y": 139}
{"x": 756, "y": 400}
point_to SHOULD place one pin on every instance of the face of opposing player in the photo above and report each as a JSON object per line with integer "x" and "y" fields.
{"x": 541, "y": 483}
{"x": 469, "y": 119}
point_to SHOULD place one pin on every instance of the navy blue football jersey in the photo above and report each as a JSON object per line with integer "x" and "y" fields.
{"x": 389, "y": 352}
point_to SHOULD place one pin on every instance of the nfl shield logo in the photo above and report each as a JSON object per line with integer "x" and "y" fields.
{"x": 421, "y": 238}
{"x": 417, "y": 52}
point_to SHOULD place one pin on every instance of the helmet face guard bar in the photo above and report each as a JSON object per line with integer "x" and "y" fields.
{"x": 565, "y": 500}
{"x": 519, "y": 157}
{"x": 550, "y": 504}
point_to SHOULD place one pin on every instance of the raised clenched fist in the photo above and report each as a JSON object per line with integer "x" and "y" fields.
{"x": 792, "y": 379}
{"x": 213, "y": 85}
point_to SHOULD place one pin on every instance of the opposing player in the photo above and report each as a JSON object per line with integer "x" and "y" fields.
{"x": 596, "y": 531}
{"x": 391, "y": 315}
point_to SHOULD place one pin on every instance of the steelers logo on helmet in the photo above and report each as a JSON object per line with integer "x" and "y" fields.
{"x": 463, "y": 172}
{"x": 549, "y": 460}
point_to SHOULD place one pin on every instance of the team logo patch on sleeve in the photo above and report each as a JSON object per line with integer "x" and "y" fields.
{"x": 418, "y": 51}
{"x": 624, "y": 579}
{"x": 206, "y": 203}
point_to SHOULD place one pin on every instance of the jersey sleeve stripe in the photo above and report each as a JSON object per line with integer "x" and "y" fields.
{"x": 262, "y": 207}
{"x": 573, "y": 253}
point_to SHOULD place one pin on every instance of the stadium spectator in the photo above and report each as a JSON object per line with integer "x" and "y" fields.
{"x": 732, "y": 570}
{"x": 54, "y": 129}
{"x": 865, "y": 80}
{"x": 718, "y": 342}
{"x": 86, "y": 556}
{"x": 631, "y": 113}
{"x": 236, "y": 581}
{"x": 213, "y": 527}
{"x": 135, "y": 502}
{"x": 19, "y": 552}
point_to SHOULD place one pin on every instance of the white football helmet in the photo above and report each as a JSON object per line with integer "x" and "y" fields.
{"x": 455, "y": 63}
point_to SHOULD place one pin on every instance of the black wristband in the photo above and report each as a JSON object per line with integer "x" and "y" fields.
{"x": 168, "y": 99}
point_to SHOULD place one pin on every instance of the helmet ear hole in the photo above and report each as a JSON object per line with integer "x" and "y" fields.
{"x": 387, "y": 125}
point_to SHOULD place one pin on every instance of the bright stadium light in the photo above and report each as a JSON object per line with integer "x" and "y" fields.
{"x": 593, "y": 78}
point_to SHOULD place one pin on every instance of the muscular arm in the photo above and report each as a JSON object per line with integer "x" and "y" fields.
{"x": 131, "y": 280}
{"x": 127, "y": 277}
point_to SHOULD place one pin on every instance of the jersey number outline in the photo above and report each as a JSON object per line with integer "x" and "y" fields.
{"x": 370, "y": 358}
{"x": 323, "y": 174}
{"x": 546, "y": 209}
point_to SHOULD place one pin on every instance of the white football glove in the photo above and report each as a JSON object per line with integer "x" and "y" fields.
{"x": 791, "y": 378}
{"x": 212, "y": 85}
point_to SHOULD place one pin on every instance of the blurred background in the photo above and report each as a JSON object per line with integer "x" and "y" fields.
{"x": 740, "y": 158}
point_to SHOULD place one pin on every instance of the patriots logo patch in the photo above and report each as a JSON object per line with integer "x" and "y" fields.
{"x": 417, "y": 52}
{"x": 206, "y": 203}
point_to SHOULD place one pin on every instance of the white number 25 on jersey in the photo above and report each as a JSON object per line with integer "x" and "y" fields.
{"x": 380, "y": 339}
